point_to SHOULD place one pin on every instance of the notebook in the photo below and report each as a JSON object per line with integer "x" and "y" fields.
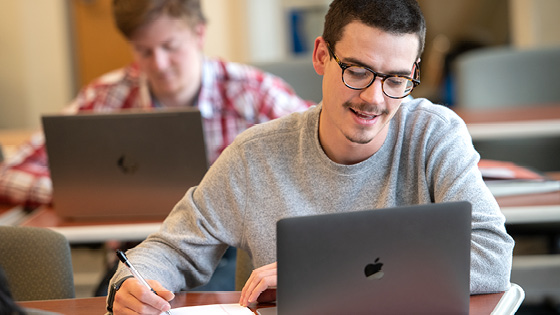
{"x": 405, "y": 260}
{"x": 130, "y": 164}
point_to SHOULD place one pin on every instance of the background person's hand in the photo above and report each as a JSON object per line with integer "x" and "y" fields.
{"x": 261, "y": 285}
{"x": 134, "y": 298}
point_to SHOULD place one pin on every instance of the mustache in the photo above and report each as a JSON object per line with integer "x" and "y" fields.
{"x": 368, "y": 108}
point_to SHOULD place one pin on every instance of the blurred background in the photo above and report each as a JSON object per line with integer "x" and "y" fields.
{"x": 51, "y": 48}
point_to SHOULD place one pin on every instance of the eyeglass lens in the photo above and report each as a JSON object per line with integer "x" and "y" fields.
{"x": 393, "y": 86}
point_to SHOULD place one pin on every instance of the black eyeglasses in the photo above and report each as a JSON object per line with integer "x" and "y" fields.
{"x": 359, "y": 78}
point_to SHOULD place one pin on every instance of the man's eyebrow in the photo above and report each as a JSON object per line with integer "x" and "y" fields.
{"x": 356, "y": 62}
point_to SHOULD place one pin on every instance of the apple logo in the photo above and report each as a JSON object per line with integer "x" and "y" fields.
{"x": 373, "y": 271}
{"x": 127, "y": 165}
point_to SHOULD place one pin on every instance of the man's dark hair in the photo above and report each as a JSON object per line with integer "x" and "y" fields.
{"x": 391, "y": 16}
{"x": 131, "y": 15}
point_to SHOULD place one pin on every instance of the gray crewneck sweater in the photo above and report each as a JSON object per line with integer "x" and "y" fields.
{"x": 278, "y": 169}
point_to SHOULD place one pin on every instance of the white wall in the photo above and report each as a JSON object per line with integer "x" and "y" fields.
{"x": 226, "y": 34}
{"x": 244, "y": 30}
{"x": 265, "y": 30}
{"x": 35, "y": 62}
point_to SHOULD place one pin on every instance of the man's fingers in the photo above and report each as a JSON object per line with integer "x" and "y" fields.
{"x": 264, "y": 284}
{"x": 161, "y": 291}
{"x": 260, "y": 280}
{"x": 252, "y": 282}
{"x": 133, "y": 298}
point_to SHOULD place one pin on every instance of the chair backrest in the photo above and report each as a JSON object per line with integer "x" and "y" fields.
{"x": 37, "y": 263}
{"x": 506, "y": 77}
{"x": 300, "y": 74}
{"x": 243, "y": 269}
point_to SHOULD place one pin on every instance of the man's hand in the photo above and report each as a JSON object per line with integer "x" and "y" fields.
{"x": 134, "y": 298}
{"x": 261, "y": 285}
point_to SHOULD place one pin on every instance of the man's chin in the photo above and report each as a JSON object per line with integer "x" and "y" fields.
{"x": 362, "y": 136}
{"x": 359, "y": 140}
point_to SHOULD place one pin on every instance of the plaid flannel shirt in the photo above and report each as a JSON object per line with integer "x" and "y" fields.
{"x": 232, "y": 98}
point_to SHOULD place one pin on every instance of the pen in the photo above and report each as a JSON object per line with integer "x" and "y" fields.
{"x": 135, "y": 273}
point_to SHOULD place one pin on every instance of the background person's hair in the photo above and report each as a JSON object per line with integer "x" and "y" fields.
{"x": 391, "y": 16}
{"x": 131, "y": 15}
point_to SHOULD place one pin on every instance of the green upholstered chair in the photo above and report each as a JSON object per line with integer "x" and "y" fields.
{"x": 505, "y": 77}
{"x": 300, "y": 74}
{"x": 37, "y": 263}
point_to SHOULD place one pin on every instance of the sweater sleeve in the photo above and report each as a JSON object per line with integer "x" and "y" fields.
{"x": 453, "y": 174}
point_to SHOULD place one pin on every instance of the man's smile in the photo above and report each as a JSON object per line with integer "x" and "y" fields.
{"x": 363, "y": 115}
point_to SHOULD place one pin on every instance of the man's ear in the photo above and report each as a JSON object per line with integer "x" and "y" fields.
{"x": 320, "y": 55}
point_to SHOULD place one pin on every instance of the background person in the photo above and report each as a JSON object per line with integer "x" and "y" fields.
{"x": 169, "y": 70}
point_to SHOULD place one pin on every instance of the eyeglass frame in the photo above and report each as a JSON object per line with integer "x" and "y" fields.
{"x": 415, "y": 81}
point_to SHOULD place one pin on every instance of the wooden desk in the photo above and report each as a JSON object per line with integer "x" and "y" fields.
{"x": 479, "y": 304}
{"x": 520, "y": 122}
{"x": 93, "y": 231}
{"x": 78, "y": 232}
{"x": 532, "y": 208}
{"x": 536, "y": 208}
{"x": 516, "y": 122}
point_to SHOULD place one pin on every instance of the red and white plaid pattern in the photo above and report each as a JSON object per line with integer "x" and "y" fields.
{"x": 232, "y": 98}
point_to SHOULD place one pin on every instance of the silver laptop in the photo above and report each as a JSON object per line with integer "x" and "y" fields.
{"x": 130, "y": 164}
{"x": 406, "y": 260}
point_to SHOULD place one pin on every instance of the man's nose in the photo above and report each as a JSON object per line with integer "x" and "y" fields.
{"x": 373, "y": 94}
{"x": 160, "y": 59}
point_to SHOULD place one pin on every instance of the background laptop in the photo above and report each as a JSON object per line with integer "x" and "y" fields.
{"x": 424, "y": 251}
{"x": 129, "y": 164}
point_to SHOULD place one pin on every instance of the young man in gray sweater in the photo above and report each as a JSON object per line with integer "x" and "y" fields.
{"x": 361, "y": 148}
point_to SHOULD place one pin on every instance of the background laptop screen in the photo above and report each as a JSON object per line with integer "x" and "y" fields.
{"x": 123, "y": 165}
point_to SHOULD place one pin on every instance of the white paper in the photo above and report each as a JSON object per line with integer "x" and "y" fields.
{"x": 231, "y": 309}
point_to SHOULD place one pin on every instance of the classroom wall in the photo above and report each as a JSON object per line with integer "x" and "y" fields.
{"x": 226, "y": 18}
{"x": 535, "y": 23}
{"x": 245, "y": 31}
{"x": 35, "y": 61}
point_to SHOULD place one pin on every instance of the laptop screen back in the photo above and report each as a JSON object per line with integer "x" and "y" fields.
{"x": 123, "y": 165}
{"x": 407, "y": 260}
